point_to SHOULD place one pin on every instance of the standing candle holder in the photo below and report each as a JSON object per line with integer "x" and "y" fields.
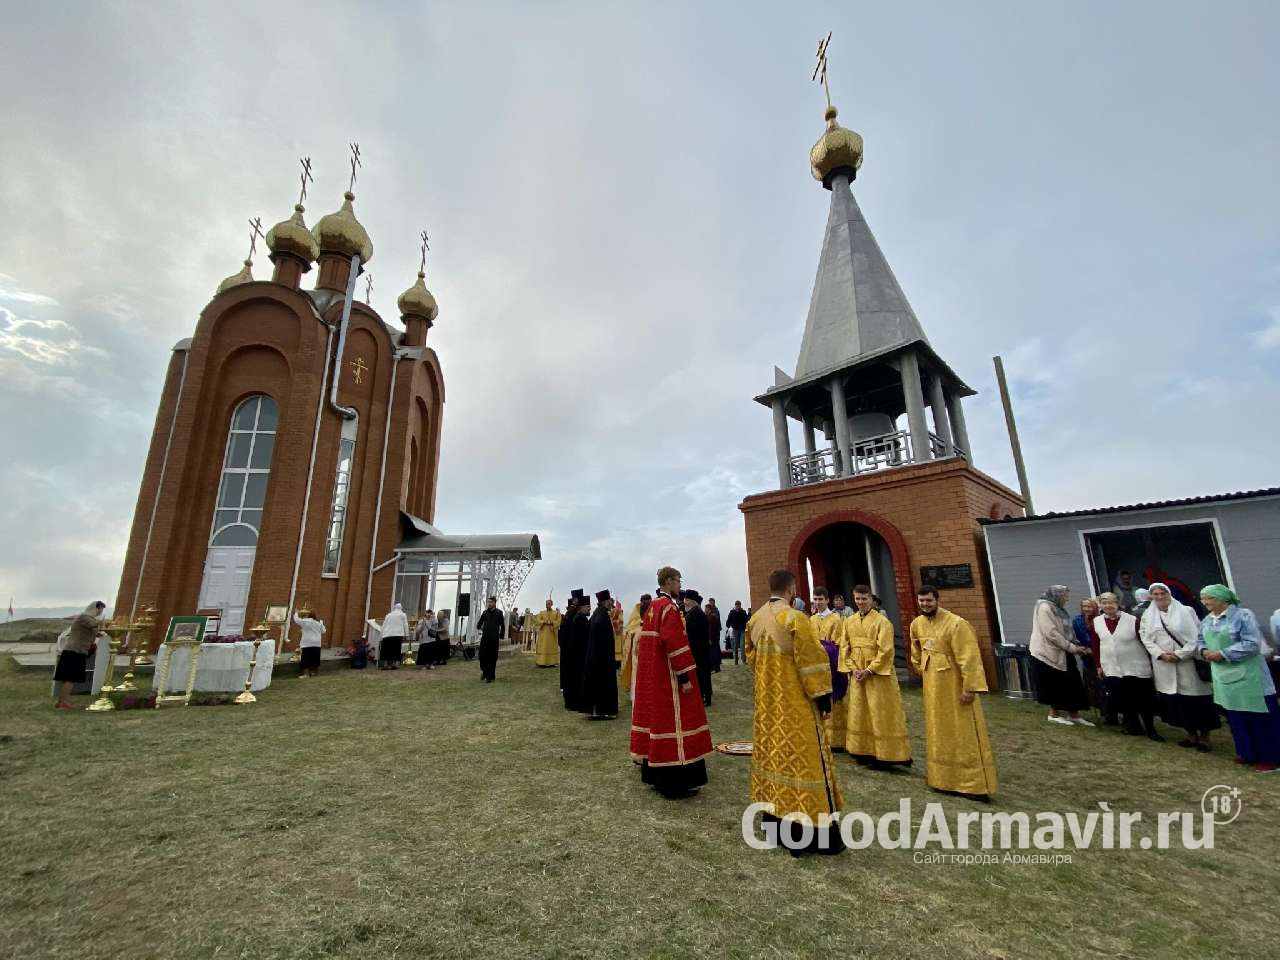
{"x": 115, "y": 631}
{"x": 146, "y": 623}
{"x": 411, "y": 644}
{"x": 126, "y": 685}
{"x": 258, "y": 632}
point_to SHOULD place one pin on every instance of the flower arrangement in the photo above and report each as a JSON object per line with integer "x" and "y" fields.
{"x": 133, "y": 699}
{"x": 357, "y": 653}
{"x": 229, "y": 638}
{"x": 209, "y": 698}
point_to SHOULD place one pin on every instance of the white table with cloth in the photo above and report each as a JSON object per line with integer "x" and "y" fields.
{"x": 223, "y": 667}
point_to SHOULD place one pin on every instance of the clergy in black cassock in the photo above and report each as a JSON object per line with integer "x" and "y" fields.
{"x": 573, "y": 651}
{"x": 490, "y": 625}
{"x": 695, "y": 626}
{"x": 600, "y": 679}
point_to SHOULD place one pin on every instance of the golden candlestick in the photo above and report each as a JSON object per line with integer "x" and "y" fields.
{"x": 115, "y": 631}
{"x": 412, "y": 639}
{"x": 147, "y": 623}
{"x": 126, "y": 685}
{"x": 258, "y": 632}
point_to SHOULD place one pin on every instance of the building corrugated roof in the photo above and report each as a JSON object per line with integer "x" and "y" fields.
{"x": 1133, "y": 507}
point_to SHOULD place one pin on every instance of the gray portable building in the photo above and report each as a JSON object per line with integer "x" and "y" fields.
{"x": 1231, "y": 538}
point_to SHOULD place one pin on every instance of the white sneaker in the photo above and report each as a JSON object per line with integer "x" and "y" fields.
{"x": 1082, "y": 722}
{"x": 1062, "y": 720}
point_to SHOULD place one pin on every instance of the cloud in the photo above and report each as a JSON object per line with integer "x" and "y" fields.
{"x": 1268, "y": 338}
{"x": 624, "y": 238}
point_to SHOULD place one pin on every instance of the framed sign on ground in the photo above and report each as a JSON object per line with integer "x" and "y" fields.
{"x": 276, "y": 613}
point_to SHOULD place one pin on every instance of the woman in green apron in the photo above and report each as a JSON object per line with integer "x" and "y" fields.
{"x": 1242, "y": 686}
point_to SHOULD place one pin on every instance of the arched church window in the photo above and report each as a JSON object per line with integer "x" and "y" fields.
{"x": 341, "y": 493}
{"x": 237, "y": 518}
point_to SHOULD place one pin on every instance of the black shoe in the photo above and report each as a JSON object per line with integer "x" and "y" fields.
{"x": 1155, "y": 736}
{"x": 1186, "y": 743}
{"x": 1202, "y": 747}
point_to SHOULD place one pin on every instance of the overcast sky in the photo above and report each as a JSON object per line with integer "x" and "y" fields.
{"x": 624, "y": 238}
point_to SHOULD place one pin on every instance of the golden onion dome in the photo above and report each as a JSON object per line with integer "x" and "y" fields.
{"x": 244, "y": 276}
{"x": 342, "y": 233}
{"x": 417, "y": 301}
{"x": 292, "y": 236}
{"x": 837, "y": 149}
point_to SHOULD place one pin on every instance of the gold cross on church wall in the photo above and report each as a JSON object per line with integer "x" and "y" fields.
{"x": 358, "y": 368}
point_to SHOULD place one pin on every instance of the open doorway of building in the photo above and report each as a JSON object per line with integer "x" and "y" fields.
{"x": 844, "y": 554}
{"x": 1186, "y": 556}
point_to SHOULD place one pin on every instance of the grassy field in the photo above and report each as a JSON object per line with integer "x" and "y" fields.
{"x": 375, "y": 815}
{"x": 33, "y": 630}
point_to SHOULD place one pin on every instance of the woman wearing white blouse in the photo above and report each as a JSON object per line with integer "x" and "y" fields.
{"x": 1170, "y": 631}
{"x": 309, "y": 645}
{"x": 1126, "y": 667}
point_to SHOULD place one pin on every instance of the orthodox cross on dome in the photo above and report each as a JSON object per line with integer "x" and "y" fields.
{"x": 306, "y": 178}
{"x": 355, "y": 163}
{"x": 368, "y": 291}
{"x": 358, "y": 367}
{"x": 820, "y": 71}
{"x": 422, "y": 264}
{"x": 255, "y": 231}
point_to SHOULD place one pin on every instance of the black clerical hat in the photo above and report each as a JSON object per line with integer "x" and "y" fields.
{"x": 693, "y": 595}
{"x": 602, "y": 596}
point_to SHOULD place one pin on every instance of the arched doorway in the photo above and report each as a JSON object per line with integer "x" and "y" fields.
{"x": 846, "y": 548}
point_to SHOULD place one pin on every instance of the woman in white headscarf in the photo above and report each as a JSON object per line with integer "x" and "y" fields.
{"x": 74, "y": 655}
{"x": 395, "y": 626}
{"x": 1169, "y": 631}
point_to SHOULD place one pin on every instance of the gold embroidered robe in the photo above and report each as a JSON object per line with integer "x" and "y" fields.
{"x": 626, "y": 678}
{"x": 547, "y": 649}
{"x": 875, "y": 725}
{"x": 791, "y": 764}
{"x": 828, "y": 627}
{"x": 944, "y": 651}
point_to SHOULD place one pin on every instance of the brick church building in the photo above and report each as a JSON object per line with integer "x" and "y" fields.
{"x": 297, "y": 433}
{"x": 892, "y": 498}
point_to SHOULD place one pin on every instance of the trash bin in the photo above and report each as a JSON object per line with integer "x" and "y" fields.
{"x": 1015, "y": 671}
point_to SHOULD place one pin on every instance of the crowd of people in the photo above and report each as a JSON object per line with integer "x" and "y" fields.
{"x": 1137, "y": 653}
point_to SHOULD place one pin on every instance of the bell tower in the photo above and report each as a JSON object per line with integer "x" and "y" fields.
{"x": 884, "y": 483}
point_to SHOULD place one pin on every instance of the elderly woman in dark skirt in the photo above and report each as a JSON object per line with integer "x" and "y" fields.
{"x": 75, "y": 655}
{"x": 1053, "y": 659}
{"x": 1171, "y": 631}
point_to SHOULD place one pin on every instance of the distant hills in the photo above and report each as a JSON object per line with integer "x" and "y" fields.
{"x": 40, "y": 613}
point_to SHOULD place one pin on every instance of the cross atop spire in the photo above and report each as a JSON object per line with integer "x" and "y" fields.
{"x": 820, "y": 71}
{"x": 422, "y": 264}
{"x": 368, "y": 288}
{"x": 306, "y": 178}
{"x": 355, "y": 163}
{"x": 255, "y": 231}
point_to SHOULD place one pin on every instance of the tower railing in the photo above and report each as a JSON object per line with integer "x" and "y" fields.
{"x": 883, "y": 452}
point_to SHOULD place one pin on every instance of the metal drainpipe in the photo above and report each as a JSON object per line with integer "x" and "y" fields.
{"x": 347, "y": 413}
{"x": 164, "y": 465}
{"x": 382, "y": 479}
{"x": 306, "y": 499}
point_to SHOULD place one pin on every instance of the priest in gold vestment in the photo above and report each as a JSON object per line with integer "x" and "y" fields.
{"x": 875, "y": 725}
{"x": 828, "y": 627}
{"x": 630, "y": 633}
{"x": 944, "y": 651}
{"x": 791, "y": 765}
{"x": 547, "y": 649}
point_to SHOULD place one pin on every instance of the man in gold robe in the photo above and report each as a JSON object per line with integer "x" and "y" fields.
{"x": 791, "y": 764}
{"x": 944, "y": 651}
{"x": 615, "y": 620}
{"x": 630, "y": 634}
{"x": 875, "y": 726}
{"x": 828, "y": 627}
{"x": 547, "y": 649}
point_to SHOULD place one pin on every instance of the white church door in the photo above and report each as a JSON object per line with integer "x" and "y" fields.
{"x": 227, "y": 573}
{"x": 237, "y": 517}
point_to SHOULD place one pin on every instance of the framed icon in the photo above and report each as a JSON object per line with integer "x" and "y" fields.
{"x": 277, "y": 613}
{"x": 185, "y": 630}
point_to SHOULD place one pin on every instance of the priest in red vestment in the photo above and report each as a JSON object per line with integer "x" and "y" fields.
{"x": 669, "y": 733}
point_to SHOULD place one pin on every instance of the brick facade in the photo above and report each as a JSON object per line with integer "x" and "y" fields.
{"x": 926, "y": 513}
{"x": 270, "y": 338}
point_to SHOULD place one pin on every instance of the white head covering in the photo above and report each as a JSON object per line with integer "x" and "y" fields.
{"x": 1179, "y": 619}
